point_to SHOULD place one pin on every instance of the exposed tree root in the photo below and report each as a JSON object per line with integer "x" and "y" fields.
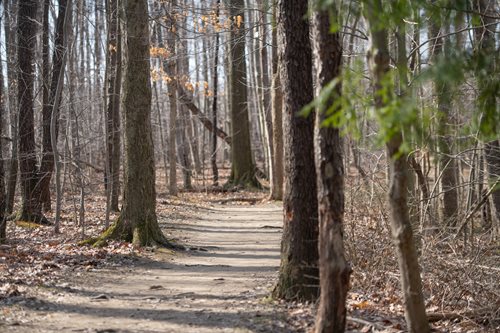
{"x": 119, "y": 232}
{"x": 246, "y": 181}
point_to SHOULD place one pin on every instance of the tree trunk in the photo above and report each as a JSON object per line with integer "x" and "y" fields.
{"x": 183, "y": 151}
{"x": 277, "y": 118}
{"x": 114, "y": 76}
{"x": 266, "y": 85}
{"x": 447, "y": 164}
{"x": 171, "y": 69}
{"x": 485, "y": 47}
{"x": 401, "y": 227}
{"x": 31, "y": 208}
{"x": 298, "y": 276}
{"x": 334, "y": 271}
{"x": 213, "y": 153}
{"x": 3, "y": 222}
{"x": 10, "y": 50}
{"x": 47, "y": 164}
{"x": 137, "y": 222}
{"x": 242, "y": 168}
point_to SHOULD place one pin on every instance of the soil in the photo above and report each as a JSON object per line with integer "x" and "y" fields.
{"x": 220, "y": 284}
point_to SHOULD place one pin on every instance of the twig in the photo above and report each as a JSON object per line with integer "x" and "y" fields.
{"x": 477, "y": 207}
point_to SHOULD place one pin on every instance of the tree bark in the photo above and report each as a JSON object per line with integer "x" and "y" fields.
{"x": 114, "y": 76}
{"x": 401, "y": 227}
{"x": 298, "y": 276}
{"x": 171, "y": 69}
{"x": 31, "y": 208}
{"x": 10, "y": 50}
{"x": 266, "y": 85}
{"x": 277, "y": 118}
{"x": 485, "y": 47}
{"x": 3, "y": 222}
{"x": 242, "y": 167}
{"x": 334, "y": 271}
{"x": 213, "y": 153}
{"x": 137, "y": 222}
{"x": 47, "y": 164}
{"x": 447, "y": 164}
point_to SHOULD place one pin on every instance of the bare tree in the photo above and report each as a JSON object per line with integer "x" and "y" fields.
{"x": 298, "y": 276}
{"x": 334, "y": 271}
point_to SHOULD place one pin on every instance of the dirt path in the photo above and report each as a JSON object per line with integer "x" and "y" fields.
{"x": 218, "y": 290}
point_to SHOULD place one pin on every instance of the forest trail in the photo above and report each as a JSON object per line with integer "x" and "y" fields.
{"x": 218, "y": 289}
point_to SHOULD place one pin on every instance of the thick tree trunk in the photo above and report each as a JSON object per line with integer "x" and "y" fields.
{"x": 334, "y": 271}
{"x": 298, "y": 276}
{"x": 242, "y": 168}
{"x": 277, "y": 118}
{"x": 137, "y": 222}
{"x": 31, "y": 208}
{"x": 401, "y": 227}
{"x": 47, "y": 164}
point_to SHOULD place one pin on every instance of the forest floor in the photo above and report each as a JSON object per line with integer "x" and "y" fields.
{"x": 219, "y": 284}
{"x": 222, "y": 282}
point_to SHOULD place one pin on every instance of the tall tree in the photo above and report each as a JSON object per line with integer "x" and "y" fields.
{"x": 334, "y": 271}
{"x": 31, "y": 209}
{"x": 47, "y": 164}
{"x": 171, "y": 69}
{"x": 242, "y": 167}
{"x": 411, "y": 284}
{"x": 298, "y": 276}
{"x": 488, "y": 83}
{"x": 449, "y": 173}
{"x": 277, "y": 117}
{"x": 213, "y": 152}
{"x": 114, "y": 76}
{"x": 11, "y": 51}
{"x": 3, "y": 222}
{"x": 137, "y": 222}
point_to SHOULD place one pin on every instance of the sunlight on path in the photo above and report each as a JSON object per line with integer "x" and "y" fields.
{"x": 218, "y": 289}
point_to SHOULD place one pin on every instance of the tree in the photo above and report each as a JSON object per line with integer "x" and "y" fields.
{"x": 334, "y": 271}
{"x": 31, "y": 208}
{"x": 10, "y": 50}
{"x": 3, "y": 222}
{"x": 443, "y": 90}
{"x": 171, "y": 69}
{"x": 213, "y": 152}
{"x": 379, "y": 60}
{"x": 242, "y": 167}
{"x": 137, "y": 222}
{"x": 114, "y": 75}
{"x": 47, "y": 163}
{"x": 298, "y": 276}
{"x": 277, "y": 118}
{"x": 488, "y": 85}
